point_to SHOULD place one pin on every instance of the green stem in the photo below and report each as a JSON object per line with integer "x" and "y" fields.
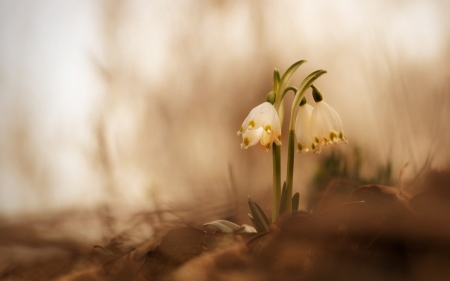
{"x": 306, "y": 83}
{"x": 290, "y": 171}
{"x": 276, "y": 181}
{"x": 290, "y": 88}
{"x": 285, "y": 80}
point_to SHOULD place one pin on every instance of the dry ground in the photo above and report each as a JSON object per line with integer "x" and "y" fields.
{"x": 373, "y": 233}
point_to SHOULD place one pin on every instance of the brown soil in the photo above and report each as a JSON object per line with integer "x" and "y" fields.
{"x": 378, "y": 233}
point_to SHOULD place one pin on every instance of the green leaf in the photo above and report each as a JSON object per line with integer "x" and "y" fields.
{"x": 253, "y": 221}
{"x": 262, "y": 215}
{"x": 256, "y": 224}
{"x": 307, "y": 82}
{"x": 283, "y": 199}
{"x": 258, "y": 217}
{"x": 295, "y": 202}
{"x": 287, "y": 76}
{"x": 225, "y": 226}
{"x": 230, "y": 227}
{"x": 276, "y": 80}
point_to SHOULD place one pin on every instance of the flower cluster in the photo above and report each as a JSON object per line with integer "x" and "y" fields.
{"x": 317, "y": 126}
{"x": 263, "y": 125}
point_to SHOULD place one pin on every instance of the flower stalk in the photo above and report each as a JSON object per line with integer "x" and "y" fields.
{"x": 276, "y": 195}
{"x": 280, "y": 87}
{"x": 306, "y": 83}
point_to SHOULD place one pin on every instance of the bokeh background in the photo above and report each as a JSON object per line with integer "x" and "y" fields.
{"x": 135, "y": 105}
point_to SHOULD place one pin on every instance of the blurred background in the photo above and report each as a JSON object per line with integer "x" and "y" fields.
{"x": 135, "y": 105}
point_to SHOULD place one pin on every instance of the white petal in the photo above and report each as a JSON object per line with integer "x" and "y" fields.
{"x": 250, "y": 119}
{"x": 251, "y": 137}
{"x": 278, "y": 140}
{"x": 324, "y": 121}
{"x": 266, "y": 138}
{"x": 316, "y": 148}
{"x": 263, "y": 117}
{"x": 244, "y": 125}
{"x": 302, "y": 128}
{"x": 276, "y": 126}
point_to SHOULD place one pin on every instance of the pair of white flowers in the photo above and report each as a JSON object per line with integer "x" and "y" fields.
{"x": 315, "y": 127}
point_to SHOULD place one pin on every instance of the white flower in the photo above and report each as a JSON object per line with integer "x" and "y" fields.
{"x": 325, "y": 127}
{"x": 302, "y": 128}
{"x": 262, "y": 124}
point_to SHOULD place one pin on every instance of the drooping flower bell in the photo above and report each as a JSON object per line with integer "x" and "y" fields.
{"x": 302, "y": 127}
{"x": 262, "y": 124}
{"x": 326, "y": 125}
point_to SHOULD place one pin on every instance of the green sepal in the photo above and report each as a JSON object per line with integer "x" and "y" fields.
{"x": 317, "y": 95}
{"x": 276, "y": 80}
{"x": 271, "y": 97}
{"x": 258, "y": 218}
{"x": 283, "y": 199}
{"x": 303, "y": 101}
{"x": 295, "y": 202}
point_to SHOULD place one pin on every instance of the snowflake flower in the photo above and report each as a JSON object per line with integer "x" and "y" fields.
{"x": 326, "y": 125}
{"x": 302, "y": 127}
{"x": 262, "y": 124}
